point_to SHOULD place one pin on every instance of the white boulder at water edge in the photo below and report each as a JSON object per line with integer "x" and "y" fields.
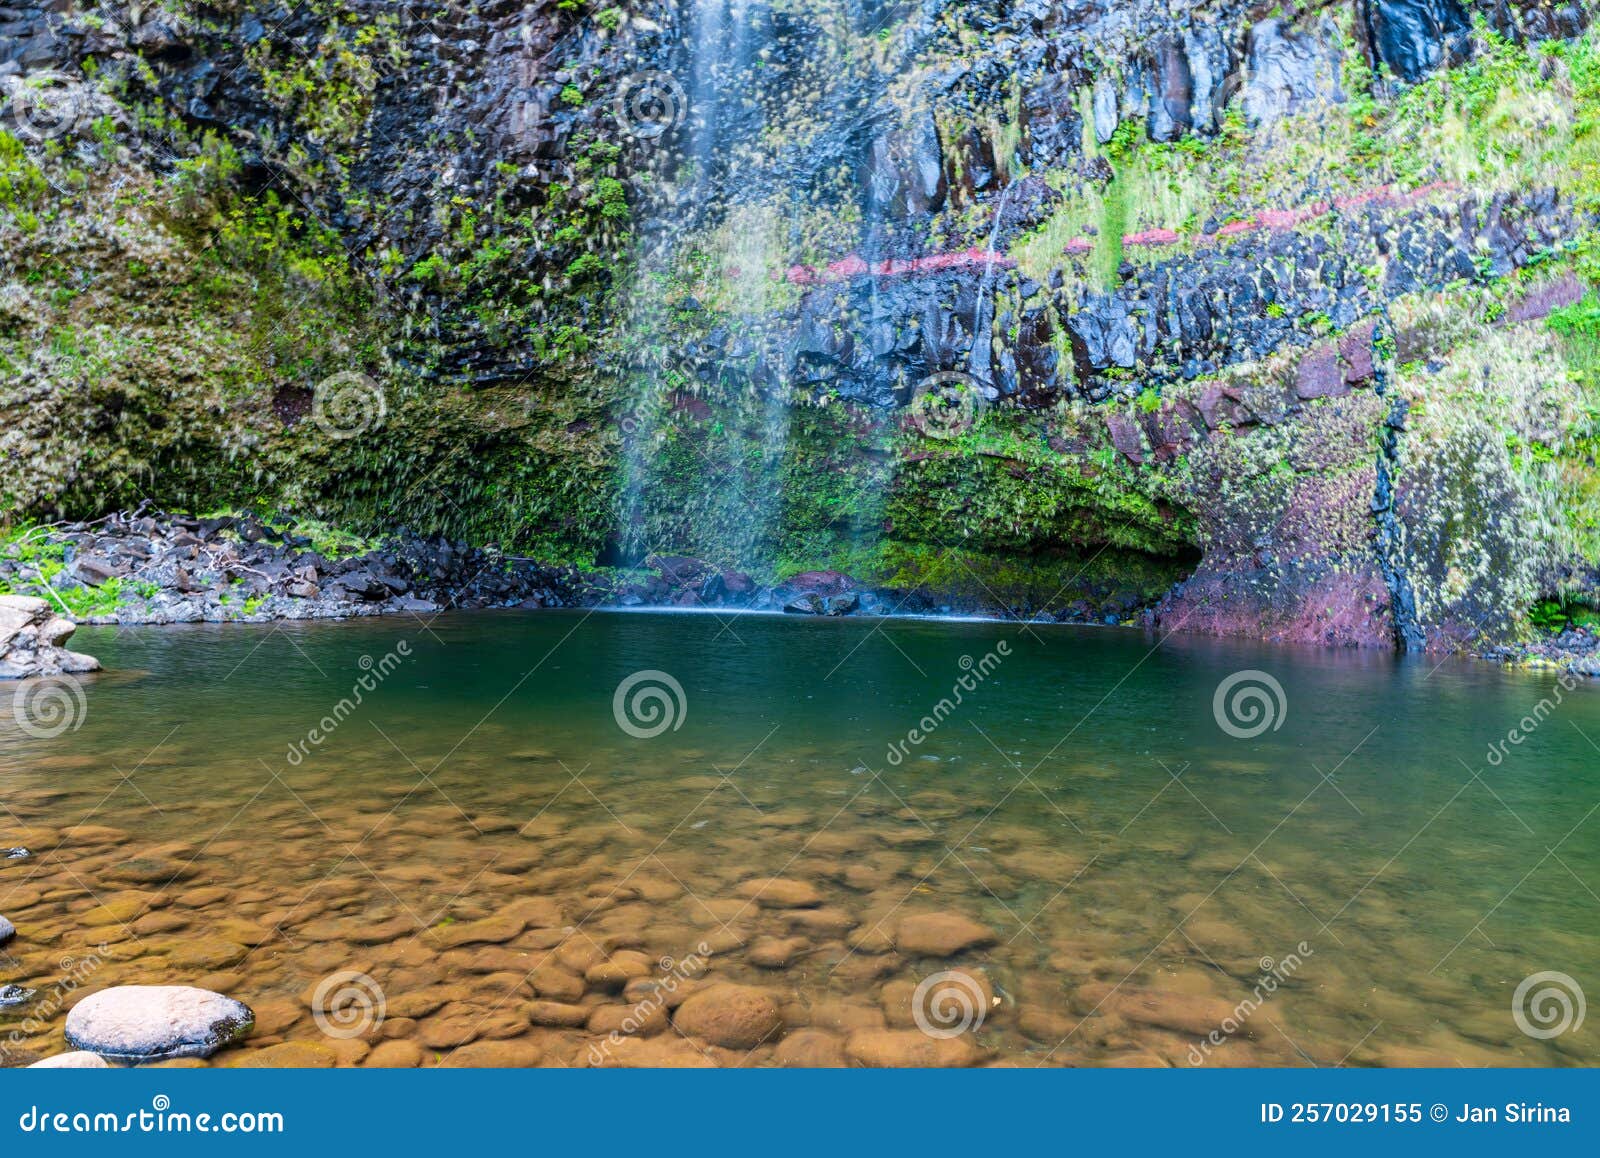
{"x": 76, "y": 1060}
{"x": 33, "y": 638}
{"x": 145, "y": 1023}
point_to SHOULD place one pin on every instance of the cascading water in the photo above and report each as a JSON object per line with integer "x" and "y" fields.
{"x": 694, "y": 223}
{"x": 787, "y": 152}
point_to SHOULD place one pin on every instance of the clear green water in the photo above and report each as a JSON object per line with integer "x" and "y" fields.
{"x": 1134, "y": 862}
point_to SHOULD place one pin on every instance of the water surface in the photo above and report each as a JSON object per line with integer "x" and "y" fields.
{"x": 1358, "y": 885}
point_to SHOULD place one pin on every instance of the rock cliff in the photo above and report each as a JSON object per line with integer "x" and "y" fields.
{"x": 1261, "y": 320}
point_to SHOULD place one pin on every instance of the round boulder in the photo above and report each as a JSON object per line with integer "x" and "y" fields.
{"x": 733, "y": 1016}
{"x": 80, "y": 1059}
{"x": 144, "y": 1023}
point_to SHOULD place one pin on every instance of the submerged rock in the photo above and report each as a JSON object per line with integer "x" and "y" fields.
{"x": 156, "y": 1022}
{"x": 940, "y": 934}
{"x": 734, "y": 1016}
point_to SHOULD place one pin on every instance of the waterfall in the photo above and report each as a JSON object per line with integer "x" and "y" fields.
{"x": 694, "y": 216}
{"x": 764, "y": 170}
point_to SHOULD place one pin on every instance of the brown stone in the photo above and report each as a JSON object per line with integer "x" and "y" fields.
{"x": 735, "y": 1016}
{"x": 202, "y": 897}
{"x": 120, "y": 908}
{"x": 640, "y": 1020}
{"x": 811, "y": 1049}
{"x": 394, "y": 1055}
{"x": 556, "y": 984}
{"x": 781, "y": 893}
{"x": 557, "y": 1014}
{"x": 500, "y": 1055}
{"x": 289, "y": 1055}
{"x": 207, "y": 953}
{"x": 153, "y": 924}
{"x": 775, "y": 952}
{"x": 621, "y": 968}
{"x": 665, "y": 1052}
{"x": 490, "y": 930}
{"x": 897, "y": 1048}
{"x": 821, "y": 922}
{"x": 940, "y": 934}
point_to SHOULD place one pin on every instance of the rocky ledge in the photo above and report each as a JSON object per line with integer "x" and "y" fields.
{"x": 151, "y": 568}
{"x": 32, "y": 643}
{"x": 144, "y": 567}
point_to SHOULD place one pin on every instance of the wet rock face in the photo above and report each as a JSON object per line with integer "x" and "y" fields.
{"x": 1414, "y": 37}
{"x": 1290, "y": 71}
